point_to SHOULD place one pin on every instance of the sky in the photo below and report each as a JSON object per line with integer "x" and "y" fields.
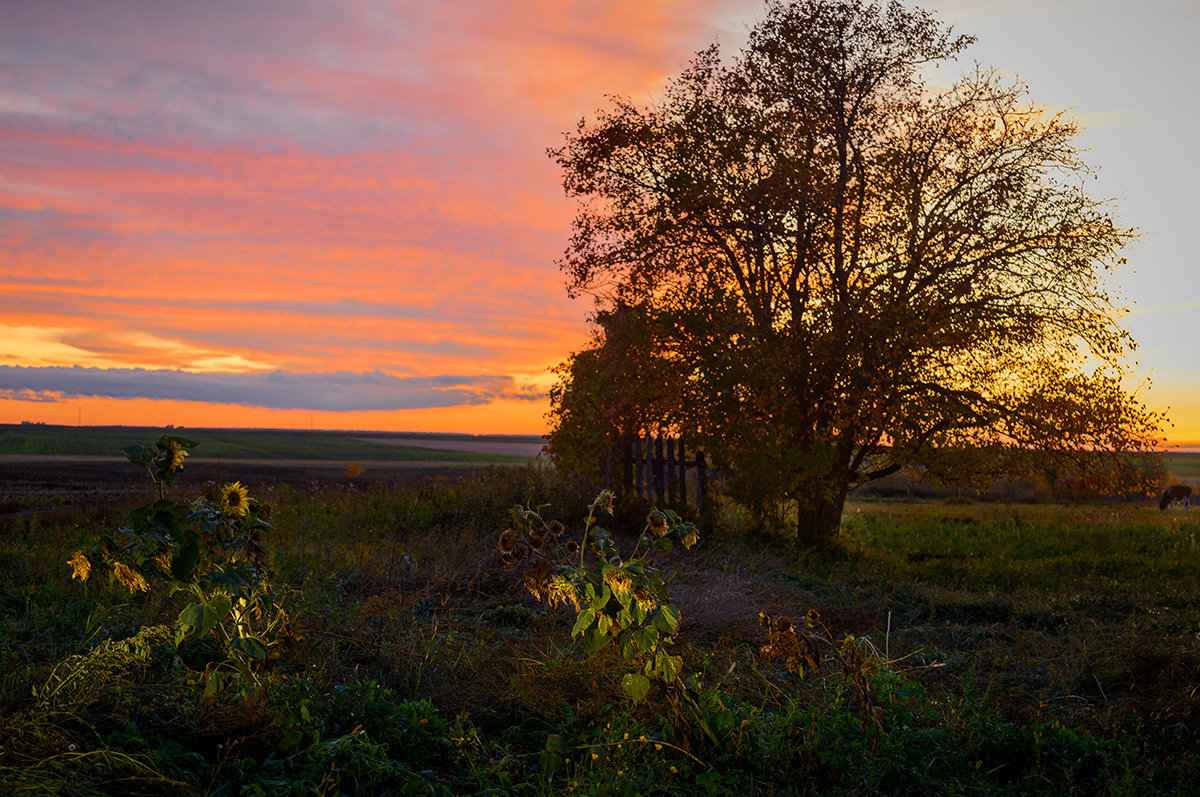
{"x": 341, "y": 214}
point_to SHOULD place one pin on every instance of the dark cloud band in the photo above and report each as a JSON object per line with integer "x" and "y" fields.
{"x": 336, "y": 391}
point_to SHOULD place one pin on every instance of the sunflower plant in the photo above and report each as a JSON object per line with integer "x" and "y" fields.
{"x": 617, "y": 601}
{"x": 212, "y": 549}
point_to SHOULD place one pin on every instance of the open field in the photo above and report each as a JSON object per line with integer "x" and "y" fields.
{"x": 49, "y": 467}
{"x": 272, "y": 444}
{"x": 1184, "y": 465}
{"x": 1002, "y": 649}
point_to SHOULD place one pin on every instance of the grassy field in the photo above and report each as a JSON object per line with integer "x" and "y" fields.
{"x": 1183, "y": 464}
{"x": 960, "y": 648}
{"x": 241, "y": 444}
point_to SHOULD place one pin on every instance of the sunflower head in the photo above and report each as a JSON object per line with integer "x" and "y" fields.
{"x": 81, "y": 566}
{"x": 507, "y": 542}
{"x": 174, "y": 456}
{"x": 555, "y": 528}
{"x": 645, "y": 598}
{"x": 619, "y": 582}
{"x": 235, "y": 499}
{"x": 131, "y": 579}
{"x": 559, "y": 591}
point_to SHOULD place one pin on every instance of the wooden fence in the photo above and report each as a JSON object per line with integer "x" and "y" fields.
{"x": 659, "y": 469}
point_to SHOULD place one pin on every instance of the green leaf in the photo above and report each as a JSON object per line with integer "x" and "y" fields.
{"x": 626, "y": 644}
{"x": 583, "y": 621}
{"x": 139, "y": 455}
{"x": 235, "y": 578}
{"x": 213, "y": 683}
{"x": 187, "y": 555}
{"x": 667, "y": 667}
{"x": 183, "y": 442}
{"x": 554, "y": 754}
{"x": 666, "y": 618}
{"x": 636, "y": 686}
{"x": 624, "y": 618}
{"x": 596, "y": 640}
{"x": 166, "y": 522}
{"x": 603, "y": 623}
{"x": 203, "y": 617}
{"x": 645, "y": 638}
{"x": 252, "y": 647}
{"x": 599, "y": 601}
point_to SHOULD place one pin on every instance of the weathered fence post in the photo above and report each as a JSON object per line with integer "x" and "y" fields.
{"x": 659, "y": 492}
{"x": 656, "y": 468}
{"x": 627, "y": 456}
{"x": 682, "y": 470}
{"x": 638, "y": 466}
{"x": 670, "y": 463}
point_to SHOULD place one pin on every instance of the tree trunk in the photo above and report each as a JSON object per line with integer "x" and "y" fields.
{"x": 820, "y": 515}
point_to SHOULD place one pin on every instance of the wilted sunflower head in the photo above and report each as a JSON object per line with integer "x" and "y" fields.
{"x": 572, "y": 547}
{"x": 658, "y": 523}
{"x": 558, "y": 591}
{"x": 643, "y": 597}
{"x": 783, "y": 625}
{"x": 81, "y": 566}
{"x": 175, "y": 454}
{"x": 555, "y": 528}
{"x": 537, "y": 541}
{"x": 619, "y": 582}
{"x": 235, "y": 499}
{"x": 131, "y": 579}
{"x": 507, "y": 542}
{"x": 603, "y": 503}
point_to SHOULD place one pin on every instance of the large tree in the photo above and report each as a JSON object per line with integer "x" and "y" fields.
{"x": 849, "y": 270}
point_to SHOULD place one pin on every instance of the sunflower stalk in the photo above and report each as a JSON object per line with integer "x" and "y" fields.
{"x": 617, "y": 601}
{"x": 213, "y": 550}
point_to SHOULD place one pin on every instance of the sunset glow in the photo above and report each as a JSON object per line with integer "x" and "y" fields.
{"x": 342, "y": 216}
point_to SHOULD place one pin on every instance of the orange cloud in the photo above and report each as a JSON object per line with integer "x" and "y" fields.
{"x": 354, "y": 189}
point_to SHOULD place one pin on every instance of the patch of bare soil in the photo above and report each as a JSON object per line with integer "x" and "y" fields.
{"x": 36, "y": 484}
{"x": 718, "y": 602}
{"x": 519, "y": 448}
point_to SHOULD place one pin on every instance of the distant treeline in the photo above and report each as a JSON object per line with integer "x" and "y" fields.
{"x": 287, "y": 444}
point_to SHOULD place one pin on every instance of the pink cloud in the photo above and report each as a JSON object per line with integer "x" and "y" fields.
{"x": 314, "y": 186}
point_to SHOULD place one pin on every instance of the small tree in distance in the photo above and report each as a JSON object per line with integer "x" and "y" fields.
{"x": 839, "y": 270}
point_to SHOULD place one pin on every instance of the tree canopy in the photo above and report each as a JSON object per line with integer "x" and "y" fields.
{"x": 838, "y": 269}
